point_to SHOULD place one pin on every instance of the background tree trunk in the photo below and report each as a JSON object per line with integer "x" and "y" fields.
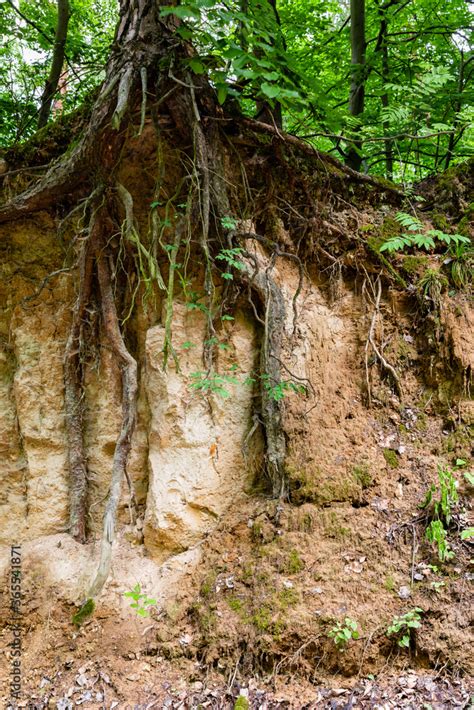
{"x": 357, "y": 90}
{"x": 57, "y": 63}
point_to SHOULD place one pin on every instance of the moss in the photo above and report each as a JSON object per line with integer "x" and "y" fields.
{"x": 294, "y": 563}
{"x": 287, "y": 598}
{"x": 362, "y": 475}
{"x": 459, "y": 442}
{"x": 86, "y": 610}
{"x": 391, "y": 457}
{"x": 241, "y": 703}
{"x": 205, "y": 617}
{"x": 440, "y": 221}
{"x": 235, "y": 604}
{"x": 207, "y": 587}
{"x": 332, "y": 526}
{"x": 321, "y": 488}
{"x": 256, "y": 532}
{"x": 262, "y": 618}
{"x": 422, "y": 422}
{"x": 415, "y": 265}
{"x": 389, "y": 583}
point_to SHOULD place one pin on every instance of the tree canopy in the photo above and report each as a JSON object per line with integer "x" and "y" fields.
{"x": 384, "y": 85}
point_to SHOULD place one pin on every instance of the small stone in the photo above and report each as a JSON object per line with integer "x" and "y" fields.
{"x": 287, "y": 584}
{"x": 404, "y": 593}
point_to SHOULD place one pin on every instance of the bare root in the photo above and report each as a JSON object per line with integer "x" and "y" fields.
{"x": 129, "y": 412}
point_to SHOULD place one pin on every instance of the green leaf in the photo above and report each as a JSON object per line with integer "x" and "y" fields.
{"x": 222, "y": 92}
{"x": 270, "y": 90}
{"x": 197, "y": 66}
{"x": 181, "y": 11}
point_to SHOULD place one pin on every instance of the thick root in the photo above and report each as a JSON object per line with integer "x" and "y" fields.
{"x": 129, "y": 412}
{"x": 73, "y": 393}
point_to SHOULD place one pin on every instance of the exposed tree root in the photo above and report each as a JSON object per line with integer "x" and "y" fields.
{"x": 375, "y": 298}
{"x": 129, "y": 413}
{"x": 73, "y": 396}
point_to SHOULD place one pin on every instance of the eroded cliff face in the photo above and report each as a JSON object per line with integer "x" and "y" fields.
{"x": 236, "y": 574}
{"x": 194, "y": 452}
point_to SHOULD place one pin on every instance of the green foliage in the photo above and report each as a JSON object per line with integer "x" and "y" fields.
{"x": 467, "y": 534}
{"x": 419, "y": 237}
{"x": 141, "y": 602}
{"x": 232, "y": 259}
{"x": 25, "y": 55}
{"x": 343, "y": 632}
{"x": 439, "y": 502}
{"x": 402, "y": 626}
{"x": 278, "y": 390}
{"x": 437, "y": 534}
{"x": 442, "y": 498}
{"x": 84, "y": 612}
{"x": 419, "y": 96}
{"x": 390, "y": 457}
{"x": 469, "y": 477}
{"x": 294, "y": 563}
{"x": 213, "y": 383}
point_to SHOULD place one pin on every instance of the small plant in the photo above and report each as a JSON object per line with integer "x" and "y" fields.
{"x": 229, "y": 222}
{"x": 467, "y": 534}
{"x": 469, "y": 477}
{"x": 417, "y": 236}
{"x": 280, "y": 389}
{"x": 461, "y": 258}
{"x": 448, "y": 495}
{"x": 213, "y": 383}
{"x": 402, "y": 626}
{"x": 232, "y": 259}
{"x": 141, "y": 602}
{"x": 84, "y": 612}
{"x": 294, "y": 563}
{"x": 441, "y": 499}
{"x": 432, "y": 284}
{"x": 342, "y": 633}
{"x": 436, "y": 533}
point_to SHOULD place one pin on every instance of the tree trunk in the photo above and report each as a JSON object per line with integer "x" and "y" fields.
{"x": 56, "y": 64}
{"x": 357, "y": 90}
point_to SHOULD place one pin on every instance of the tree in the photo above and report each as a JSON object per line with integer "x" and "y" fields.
{"x": 149, "y": 57}
{"x": 57, "y": 63}
{"x": 357, "y": 91}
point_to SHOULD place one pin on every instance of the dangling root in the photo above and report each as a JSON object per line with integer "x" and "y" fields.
{"x": 271, "y": 412}
{"x": 375, "y": 299}
{"x": 73, "y": 397}
{"x": 129, "y": 410}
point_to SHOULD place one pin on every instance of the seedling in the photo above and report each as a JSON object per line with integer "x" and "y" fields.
{"x": 441, "y": 500}
{"x": 402, "y": 626}
{"x": 342, "y": 633}
{"x": 436, "y": 533}
{"x": 141, "y": 602}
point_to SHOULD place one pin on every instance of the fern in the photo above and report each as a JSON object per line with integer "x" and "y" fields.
{"x": 417, "y": 236}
